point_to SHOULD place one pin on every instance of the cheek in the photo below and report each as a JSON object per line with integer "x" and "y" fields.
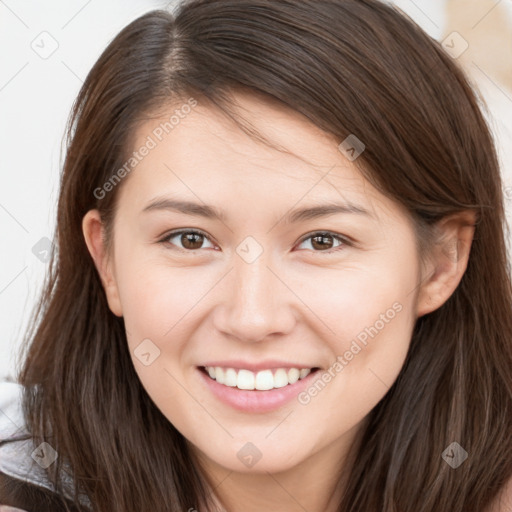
{"x": 366, "y": 362}
{"x": 158, "y": 303}
{"x": 369, "y": 311}
{"x": 156, "y": 298}
{"x": 361, "y": 302}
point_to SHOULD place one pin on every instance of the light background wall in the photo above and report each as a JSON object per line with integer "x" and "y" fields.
{"x": 48, "y": 50}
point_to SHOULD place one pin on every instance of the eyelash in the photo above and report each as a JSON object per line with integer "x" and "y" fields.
{"x": 344, "y": 240}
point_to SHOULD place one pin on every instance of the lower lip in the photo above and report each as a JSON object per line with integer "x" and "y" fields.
{"x": 256, "y": 400}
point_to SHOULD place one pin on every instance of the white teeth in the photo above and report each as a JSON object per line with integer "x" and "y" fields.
{"x": 293, "y": 375}
{"x": 219, "y": 375}
{"x": 304, "y": 373}
{"x": 280, "y": 378}
{"x": 262, "y": 380}
{"x": 245, "y": 380}
{"x": 230, "y": 378}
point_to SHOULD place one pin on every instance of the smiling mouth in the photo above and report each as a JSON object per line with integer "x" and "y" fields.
{"x": 262, "y": 380}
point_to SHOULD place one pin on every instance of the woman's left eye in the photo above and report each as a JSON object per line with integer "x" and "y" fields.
{"x": 325, "y": 241}
{"x": 191, "y": 240}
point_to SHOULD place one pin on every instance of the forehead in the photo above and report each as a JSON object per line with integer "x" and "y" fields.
{"x": 202, "y": 152}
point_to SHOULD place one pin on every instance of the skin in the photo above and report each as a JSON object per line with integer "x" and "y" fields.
{"x": 295, "y": 302}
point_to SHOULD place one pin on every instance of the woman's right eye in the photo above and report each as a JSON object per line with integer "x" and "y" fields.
{"x": 190, "y": 239}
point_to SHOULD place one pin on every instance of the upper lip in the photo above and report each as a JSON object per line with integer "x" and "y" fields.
{"x": 263, "y": 365}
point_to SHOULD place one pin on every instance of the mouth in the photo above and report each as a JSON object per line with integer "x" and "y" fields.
{"x": 261, "y": 380}
{"x": 256, "y": 386}
{"x": 260, "y": 390}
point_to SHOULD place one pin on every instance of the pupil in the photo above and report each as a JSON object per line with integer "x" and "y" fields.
{"x": 191, "y": 240}
{"x": 324, "y": 241}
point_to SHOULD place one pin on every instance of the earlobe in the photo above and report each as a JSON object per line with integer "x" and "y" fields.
{"x": 93, "y": 231}
{"x": 448, "y": 261}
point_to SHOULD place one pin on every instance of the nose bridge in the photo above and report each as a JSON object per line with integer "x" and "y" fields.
{"x": 253, "y": 286}
{"x": 256, "y": 303}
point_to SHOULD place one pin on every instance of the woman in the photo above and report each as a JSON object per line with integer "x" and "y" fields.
{"x": 193, "y": 350}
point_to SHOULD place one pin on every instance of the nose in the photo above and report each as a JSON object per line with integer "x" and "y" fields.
{"x": 255, "y": 304}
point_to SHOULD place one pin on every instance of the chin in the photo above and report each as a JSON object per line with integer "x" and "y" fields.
{"x": 255, "y": 458}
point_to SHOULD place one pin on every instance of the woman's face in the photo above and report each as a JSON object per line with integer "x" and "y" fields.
{"x": 298, "y": 263}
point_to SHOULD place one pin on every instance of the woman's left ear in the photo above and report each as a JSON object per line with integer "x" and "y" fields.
{"x": 448, "y": 260}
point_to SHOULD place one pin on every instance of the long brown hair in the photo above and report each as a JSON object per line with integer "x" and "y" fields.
{"x": 351, "y": 67}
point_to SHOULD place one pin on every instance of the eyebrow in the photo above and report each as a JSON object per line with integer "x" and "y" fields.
{"x": 297, "y": 215}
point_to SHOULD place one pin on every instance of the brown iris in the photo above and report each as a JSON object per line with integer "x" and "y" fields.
{"x": 192, "y": 240}
{"x": 322, "y": 241}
